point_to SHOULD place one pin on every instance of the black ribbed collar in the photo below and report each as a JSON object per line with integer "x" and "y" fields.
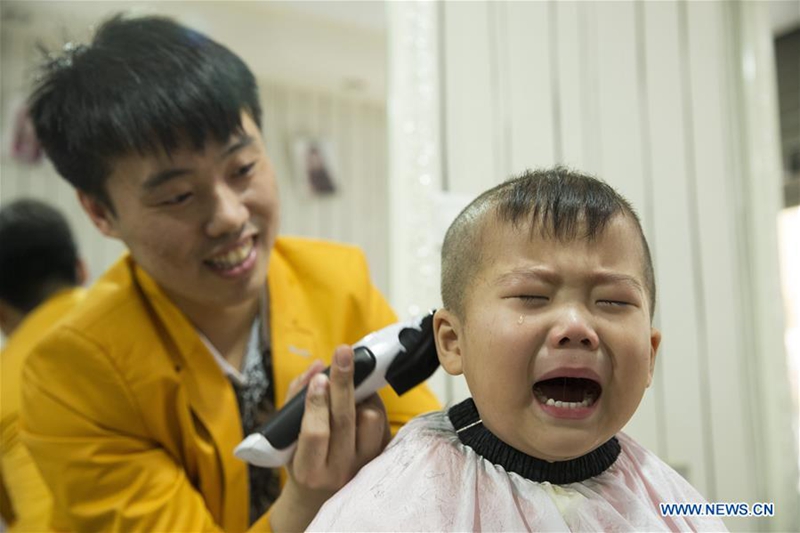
{"x": 466, "y": 421}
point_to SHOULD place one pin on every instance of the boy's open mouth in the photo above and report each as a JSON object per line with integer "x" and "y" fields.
{"x": 569, "y": 393}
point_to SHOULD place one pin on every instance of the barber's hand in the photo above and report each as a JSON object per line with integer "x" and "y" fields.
{"x": 336, "y": 439}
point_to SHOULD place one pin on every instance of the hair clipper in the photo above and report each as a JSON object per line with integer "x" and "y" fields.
{"x": 402, "y": 355}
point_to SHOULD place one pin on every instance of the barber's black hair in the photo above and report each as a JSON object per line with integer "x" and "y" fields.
{"x": 559, "y": 203}
{"x": 37, "y": 253}
{"x": 142, "y": 85}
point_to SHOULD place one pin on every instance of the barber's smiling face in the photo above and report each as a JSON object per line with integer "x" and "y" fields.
{"x": 555, "y": 343}
{"x": 201, "y": 223}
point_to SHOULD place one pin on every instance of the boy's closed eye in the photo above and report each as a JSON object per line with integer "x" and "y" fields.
{"x": 614, "y": 303}
{"x": 540, "y": 299}
{"x": 533, "y": 298}
{"x": 617, "y": 300}
{"x": 529, "y": 301}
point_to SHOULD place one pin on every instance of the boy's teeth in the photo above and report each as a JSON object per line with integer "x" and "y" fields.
{"x": 587, "y": 401}
{"x": 233, "y": 258}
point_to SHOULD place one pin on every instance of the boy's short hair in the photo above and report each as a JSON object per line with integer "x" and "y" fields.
{"x": 559, "y": 203}
{"x": 37, "y": 253}
{"x": 142, "y": 85}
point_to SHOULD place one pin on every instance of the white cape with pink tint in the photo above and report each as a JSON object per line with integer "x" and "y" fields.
{"x": 426, "y": 480}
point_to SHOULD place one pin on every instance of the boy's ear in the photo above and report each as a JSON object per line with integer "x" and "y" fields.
{"x": 655, "y": 342}
{"x": 101, "y": 215}
{"x": 446, "y": 332}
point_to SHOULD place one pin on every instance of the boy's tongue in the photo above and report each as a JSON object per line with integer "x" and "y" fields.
{"x": 564, "y": 389}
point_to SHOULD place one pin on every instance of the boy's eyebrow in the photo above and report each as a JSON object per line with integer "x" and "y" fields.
{"x": 546, "y": 275}
{"x": 599, "y": 278}
{"x": 526, "y": 273}
{"x": 165, "y": 175}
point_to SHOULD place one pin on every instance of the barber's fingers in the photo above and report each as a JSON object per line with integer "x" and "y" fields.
{"x": 343, "y": 411}
{"x": 302, "y": 380}
{"x": 336, "y": 437}
{"x": 311, "y": 456}
{"x": 373, "y": 432}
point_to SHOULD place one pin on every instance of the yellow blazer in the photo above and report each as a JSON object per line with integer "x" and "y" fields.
{"x": 133, "y": 423}
{"x": 26, "y": 500}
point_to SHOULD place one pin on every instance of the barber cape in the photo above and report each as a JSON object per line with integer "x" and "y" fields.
{"x": 446, "y": 472}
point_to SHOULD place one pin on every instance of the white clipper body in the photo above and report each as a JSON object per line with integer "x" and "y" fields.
{"x": 402, "y": 354}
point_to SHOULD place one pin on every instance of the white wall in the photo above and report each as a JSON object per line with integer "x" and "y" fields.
{"x": 357, "y": 212}
{"x": 673, "y": 103}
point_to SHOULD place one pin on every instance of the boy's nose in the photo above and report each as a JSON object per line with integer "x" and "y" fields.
{"x": 229, "y": 213}
{"x": 574, "y": 329}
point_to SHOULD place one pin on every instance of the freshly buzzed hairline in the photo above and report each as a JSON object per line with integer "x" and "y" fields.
{"x": 559, "y": 203}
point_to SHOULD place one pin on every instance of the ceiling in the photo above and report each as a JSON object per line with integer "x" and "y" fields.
{"x": 333, "y": 45}
{"x": 337, "y": 46}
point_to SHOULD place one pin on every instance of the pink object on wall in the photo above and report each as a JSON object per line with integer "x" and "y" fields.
{"x": 25, "y": 146}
